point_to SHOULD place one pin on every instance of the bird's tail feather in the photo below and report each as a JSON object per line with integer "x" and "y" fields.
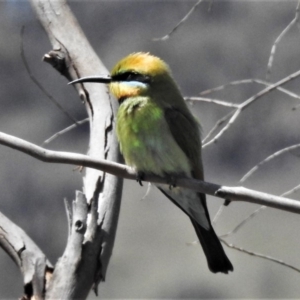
{"x": 217, "y": 259}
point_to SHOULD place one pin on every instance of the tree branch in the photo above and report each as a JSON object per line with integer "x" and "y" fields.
{"x": 65, "y": 130}
{"x": 167, "y": 36}
{"x": 78, "y": 252}
{"x": 256, "y": 254}
{"x": 245, "y": 104}
{"x": 228, "y": 193}
{"x": 270, "y": 157}
{"x": 245, "y": 81}
{"x": 36, "y": 268}
{"x": 73, "y": 57}
{"x": 278, "y": 39}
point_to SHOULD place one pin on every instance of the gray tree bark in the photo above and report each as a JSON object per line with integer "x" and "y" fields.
{"x": 94, "y": 214}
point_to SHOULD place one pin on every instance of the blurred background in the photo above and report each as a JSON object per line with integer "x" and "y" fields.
{"x": 153, "y": 257}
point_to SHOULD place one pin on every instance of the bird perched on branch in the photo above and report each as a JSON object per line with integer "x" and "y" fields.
{"x": 158, "y": 134}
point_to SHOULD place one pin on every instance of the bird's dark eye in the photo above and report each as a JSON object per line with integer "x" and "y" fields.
{"x": 132, "y": 76}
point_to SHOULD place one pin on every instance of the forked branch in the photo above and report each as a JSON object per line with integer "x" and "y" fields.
{"x": 33, "y": 263}
{"x": 228, "y": 193}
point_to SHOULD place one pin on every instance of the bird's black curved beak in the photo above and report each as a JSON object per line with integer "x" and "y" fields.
{"x": 99, "y": 79}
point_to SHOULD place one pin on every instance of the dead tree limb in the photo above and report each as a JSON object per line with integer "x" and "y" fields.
{"x": 35, "y": 267}
{"x": 227, "y": 193}
{"x": 73, "y": 57}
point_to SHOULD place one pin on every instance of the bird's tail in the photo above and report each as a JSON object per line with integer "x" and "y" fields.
{"x": 217, "y": 259}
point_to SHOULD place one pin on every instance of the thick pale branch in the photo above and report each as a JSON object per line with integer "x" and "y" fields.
{"x": 231, "y": 193}
{"x": 27, "y": 255}
{"x": 73, "y": 57}
{"x": 75, "y": 259}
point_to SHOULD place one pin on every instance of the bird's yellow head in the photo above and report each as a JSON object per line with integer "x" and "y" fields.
{"x": 138, "y": 74}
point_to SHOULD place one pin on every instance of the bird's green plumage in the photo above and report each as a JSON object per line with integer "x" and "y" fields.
{"x": 146, "y": 140}
{"x": 156, "y": 131}
{"x": 158, "y": 134}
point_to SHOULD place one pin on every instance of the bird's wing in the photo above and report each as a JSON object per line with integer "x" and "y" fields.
{"x": 186, "y": 132}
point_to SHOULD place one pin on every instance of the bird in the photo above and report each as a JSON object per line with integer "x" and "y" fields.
{"x": 159, "y": 135}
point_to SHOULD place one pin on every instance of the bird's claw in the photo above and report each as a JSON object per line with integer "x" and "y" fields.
{"x": 227, "y": 202}
{"x": 172, "y": 182}
{"x": 172, "y": 186}
{"x": 140, "y": 177}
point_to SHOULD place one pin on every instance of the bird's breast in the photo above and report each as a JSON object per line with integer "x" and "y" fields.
{"x": 146, "y": 141}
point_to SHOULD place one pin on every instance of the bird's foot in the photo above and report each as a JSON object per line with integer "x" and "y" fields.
{"x": 227, "y": 202}
{"x": 140, "y": 177}
{"x": 171, "y": 180}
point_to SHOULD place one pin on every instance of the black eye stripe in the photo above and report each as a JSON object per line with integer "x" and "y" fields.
{"x": 131, "y": 76}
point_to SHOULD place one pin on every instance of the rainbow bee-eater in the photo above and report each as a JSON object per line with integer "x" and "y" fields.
{"x": 159, "y": 135}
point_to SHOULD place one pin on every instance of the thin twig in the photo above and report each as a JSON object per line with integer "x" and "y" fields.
{"x": 278, "y": 261}
{"x": 274, "y": 47}
{"x": 223, "y": 86}
{"x": 38, "y": 84}
{"x": 69, "y": 128}
{"x": 214, "y": 101}
{"x": 250, "y": 101}
{"x": 292, "y": 191}
{"x": 254, "y": 213}
{"x": 247, "y": 81}
{"x": 218, "y": 214}
{"x": 269, "y": 158}
{"x": 243, "y": 222}
{"x": 232, "y": 193}
{"x": 167, "y": 36}
{"x": 218, "y": 124}
{"x": 221, "y": 121}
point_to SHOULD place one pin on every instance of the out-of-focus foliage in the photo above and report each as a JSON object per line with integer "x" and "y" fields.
{"x": 151, "y": 259}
